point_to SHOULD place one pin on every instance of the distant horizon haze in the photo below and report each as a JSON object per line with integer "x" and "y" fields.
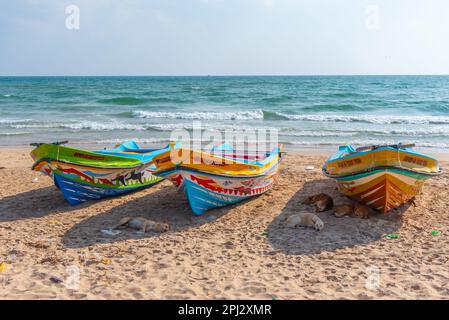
{"x": 220, "y": 75}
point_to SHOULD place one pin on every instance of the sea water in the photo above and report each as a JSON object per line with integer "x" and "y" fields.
{"x": 306, "y": 111}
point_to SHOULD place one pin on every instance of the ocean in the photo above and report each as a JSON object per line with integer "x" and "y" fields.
{"x": 307, "y": 111}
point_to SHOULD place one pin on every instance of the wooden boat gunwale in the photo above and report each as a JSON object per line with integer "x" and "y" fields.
{"x": 109, "y": 155}
{"x": 336, "y": 158}
{"x": 50, "y": 160}
{"x": 254, "y": 168}
{"x": 381, "y": 168}
{"x": 182, "y": 168}
{"x": 356, "y": 154}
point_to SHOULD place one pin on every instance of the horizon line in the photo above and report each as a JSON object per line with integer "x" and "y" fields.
{"x": 231, "y": 75}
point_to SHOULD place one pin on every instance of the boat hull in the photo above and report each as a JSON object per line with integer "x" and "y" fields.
{"x": 382, "y": 189}
{"x": 79, "y": 184}
{"x": 85, "y": 175}
{"x": 75, "y": 192}
{"x": 381, "y": 177}
{"x": 206, "y": 191}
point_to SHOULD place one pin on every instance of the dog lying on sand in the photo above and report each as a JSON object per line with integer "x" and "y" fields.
{"x": 305, "y": 219}
{"x": 354, "y": 210}
{"x": 321, "y": 202}
{"x": 142, "y": 224}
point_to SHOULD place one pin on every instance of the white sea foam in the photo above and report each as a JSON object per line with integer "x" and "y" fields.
{"x": 18, "y": 133}
{"x": 260, "y": 115}
{"x": 83, "y": 125}
{"x": 102, "y": 126}
{"x": 138, "y": 140}
{"x": 312, "y": 132}
{"x": 426, "y": 131}
{"x": 375, "y": 119}
{"x": 238, "y": 115}
{"x": 315, "y": 133}
{"x": 343, "y": 131}
{"x": 206, "y": 126}
{"x": 13, "y": 121}
{"x": 33, "y": 126}
{"x": 361, "y": 142}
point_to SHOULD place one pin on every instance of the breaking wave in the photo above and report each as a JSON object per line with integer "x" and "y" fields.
{"x": 238, "y": 115}
{"x": 374, "y": 119}
{"x": 271, "y": 115}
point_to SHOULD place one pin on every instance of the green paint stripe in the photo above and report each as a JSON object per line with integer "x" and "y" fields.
{"x": 413, "y": 175}
{"x": 82, "y": 157}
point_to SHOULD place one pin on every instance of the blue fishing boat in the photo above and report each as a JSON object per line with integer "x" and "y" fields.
{"x": 91, "y": 175}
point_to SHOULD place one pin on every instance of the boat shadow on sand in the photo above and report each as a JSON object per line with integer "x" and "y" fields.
{"x": 338, "y": 233}
{"x": 163, "y": 205}
{"x": 35, "y": 203}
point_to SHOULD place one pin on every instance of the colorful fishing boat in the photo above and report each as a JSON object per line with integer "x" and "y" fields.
{"x": 382, "y": 177}
{"x": 219, "y": 177}
{"x": 89, "y": 175}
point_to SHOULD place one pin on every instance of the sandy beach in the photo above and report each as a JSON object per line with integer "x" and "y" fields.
{"x": 50, "y": 250}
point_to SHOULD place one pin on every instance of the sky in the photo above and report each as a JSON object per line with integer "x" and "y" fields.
{"x": 224, "y": 37}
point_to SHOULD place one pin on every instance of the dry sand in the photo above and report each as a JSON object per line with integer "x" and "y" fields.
{"x": 242, "y": 251}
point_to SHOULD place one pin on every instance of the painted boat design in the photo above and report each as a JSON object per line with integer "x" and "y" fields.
{"x": 91, "y": 175}
{"x": 220, "y": 177}
{"x": 382, "y": 177}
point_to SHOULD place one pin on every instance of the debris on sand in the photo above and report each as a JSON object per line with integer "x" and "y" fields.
{"x": 56, "y": 279}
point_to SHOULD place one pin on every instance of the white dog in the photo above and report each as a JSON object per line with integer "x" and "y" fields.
{"x": 305, "y": 219}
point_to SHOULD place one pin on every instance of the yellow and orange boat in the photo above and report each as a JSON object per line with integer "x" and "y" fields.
{"x": 381, "y": 177}
{"x": 219, "y": 177}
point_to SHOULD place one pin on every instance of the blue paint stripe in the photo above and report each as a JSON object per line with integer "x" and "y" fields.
{"x": 202, "y": 199}
{"x": 76, "y": 193}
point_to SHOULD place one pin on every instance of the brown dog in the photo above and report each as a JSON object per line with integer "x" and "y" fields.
{"x": 321, "y": 202}
{"x": 354, "y": 210}
{"x": 142, "y": 224}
